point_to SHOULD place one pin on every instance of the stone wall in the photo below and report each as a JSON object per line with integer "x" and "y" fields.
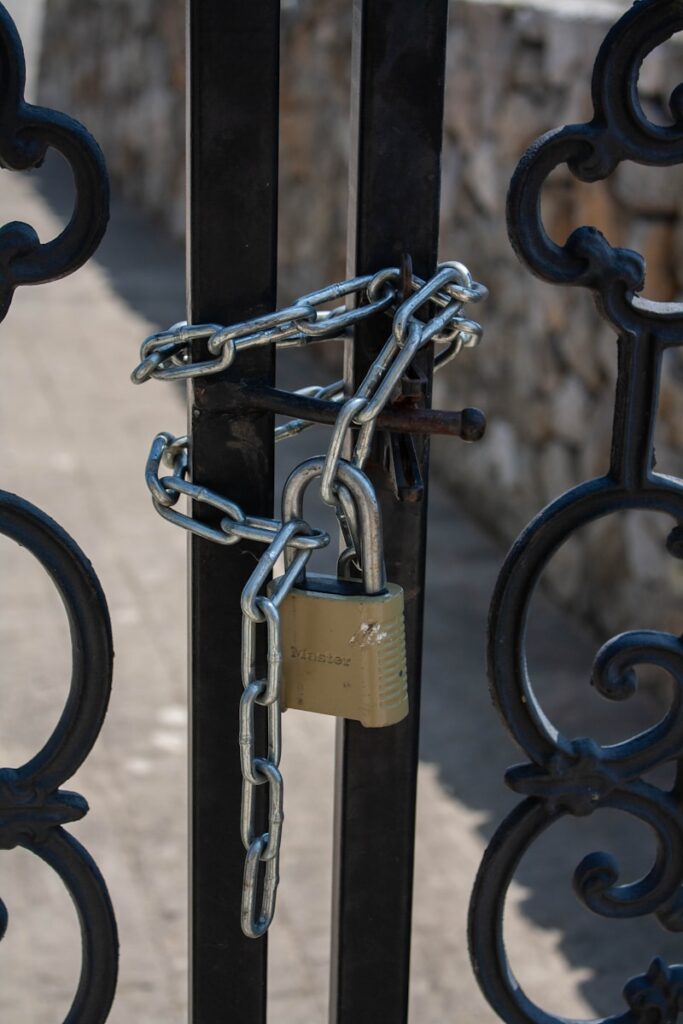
{"x": 546, "y": 368}
{"x": 119, "y": 66}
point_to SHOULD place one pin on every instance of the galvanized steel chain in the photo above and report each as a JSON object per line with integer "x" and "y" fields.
{"x": 421, "y": 312}
{"x": 235, "y": 525}
{"x": 448, "y": 290}
{"x": 167, "y": 355}
{"x": 262, "y": 847}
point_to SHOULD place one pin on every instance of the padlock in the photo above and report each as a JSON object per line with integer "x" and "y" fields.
{"x": 343, "y": 641}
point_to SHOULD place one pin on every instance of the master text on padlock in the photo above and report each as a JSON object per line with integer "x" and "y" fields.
{"x": 325, "y": 657}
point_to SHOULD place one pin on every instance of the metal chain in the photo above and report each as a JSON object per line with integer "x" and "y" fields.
{"x": 167, "y": 355}
{"x": 235, "y": 525}
{"x": 410, "y": 334}
{"x": 432, "y": 312}
{"x": 257, "y": 770}
{"x": 449, "y": 289}
{"x": 257, "y": 609}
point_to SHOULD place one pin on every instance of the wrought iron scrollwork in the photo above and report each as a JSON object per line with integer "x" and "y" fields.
{"x": 577, "y": 777}
{"x": 26, "y": 133}
{"x": 33, "y": 810}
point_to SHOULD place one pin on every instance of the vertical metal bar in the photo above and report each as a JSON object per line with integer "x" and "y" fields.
{"x": 397, "y": 114}
{"x": 233, "y": 74}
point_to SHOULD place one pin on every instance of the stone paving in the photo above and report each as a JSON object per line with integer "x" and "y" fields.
{"x": 75, "y": 436}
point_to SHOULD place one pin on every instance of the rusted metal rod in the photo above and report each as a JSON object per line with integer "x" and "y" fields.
{"x": 468, "y": 424}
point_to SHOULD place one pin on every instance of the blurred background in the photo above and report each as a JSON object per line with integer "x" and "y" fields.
{"x": 77, "y": 435}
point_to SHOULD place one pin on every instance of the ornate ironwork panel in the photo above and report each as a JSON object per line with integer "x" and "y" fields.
{"x": 580, "y": 776}
{"x": 33, "y": 810}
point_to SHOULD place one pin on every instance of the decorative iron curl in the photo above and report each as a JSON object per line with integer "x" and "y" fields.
{"x": 32, "y": 807}
{"x": 577, "y": 777}
{"x": 26, "y": 133}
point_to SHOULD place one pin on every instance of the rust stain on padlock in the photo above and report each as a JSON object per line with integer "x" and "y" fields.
{"x": 370, "y": 633}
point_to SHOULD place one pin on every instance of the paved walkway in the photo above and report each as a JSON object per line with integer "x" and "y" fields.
{"x": 75, "y": 435}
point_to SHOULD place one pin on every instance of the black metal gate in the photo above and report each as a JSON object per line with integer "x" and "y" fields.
{"x": 580, "y": 776}
{"x": 397, "y": 107}
{"x": 33, "y": 810}
{"x": 398, "y": 81}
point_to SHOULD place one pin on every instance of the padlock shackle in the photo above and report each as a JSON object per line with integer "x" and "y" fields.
{"x": 367, "y": 506}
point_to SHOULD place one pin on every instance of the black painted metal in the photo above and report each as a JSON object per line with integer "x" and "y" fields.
{"x": 26, "y": 132}
{"x": 579, "y": 776}
{"x": 470, "y": 424}
{"x": 397, "y": 110}
{"x": 233, "y": 145}
{"x": 32, "y": 807}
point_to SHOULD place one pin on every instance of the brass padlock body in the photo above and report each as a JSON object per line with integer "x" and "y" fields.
{"x": 344, "y": 651}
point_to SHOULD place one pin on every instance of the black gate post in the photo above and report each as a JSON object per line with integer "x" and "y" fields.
{"x": 397, "y": 115}
{"x": 233, "y": 52}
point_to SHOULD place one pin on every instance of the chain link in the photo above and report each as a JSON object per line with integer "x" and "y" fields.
{"x": 257, "y": 771}
{"x": 431, "y": 312}
{"x": 257, "y": 609}
{"x": 447, "y": 291}
{"x": 167, "y": 355}
{"x": 235, "y": 526}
